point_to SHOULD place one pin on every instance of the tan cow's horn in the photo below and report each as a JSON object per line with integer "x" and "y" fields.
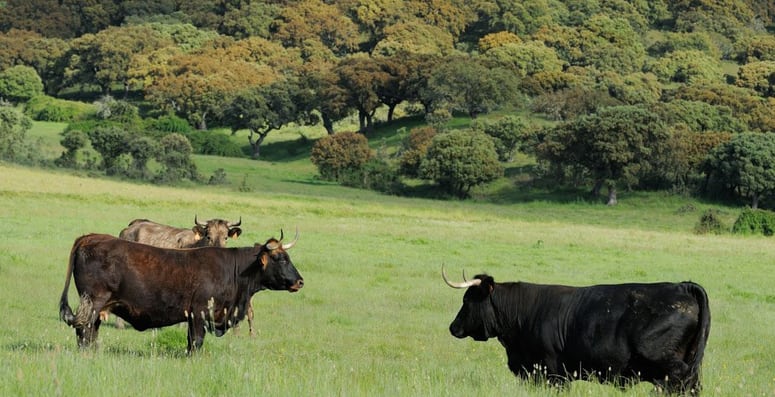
{"x": 465, "y": 284}
{"x": 197, "y": 222}
{"x": 292, "y": 243}
{"x": 239, "y": 222}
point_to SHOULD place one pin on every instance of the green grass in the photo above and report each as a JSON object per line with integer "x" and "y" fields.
{"x": 372, "y": 318}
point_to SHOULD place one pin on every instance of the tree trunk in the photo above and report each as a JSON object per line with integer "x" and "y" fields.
{"x": 256, "y": 144}
{"x": 328, "y": 124}
{"x": 755, "y": 201}
{"x": 362, "y": 121}
{"x": 596, "y": 188}
{"x": 391, "y": 109}
{"x": 611, "y": 194}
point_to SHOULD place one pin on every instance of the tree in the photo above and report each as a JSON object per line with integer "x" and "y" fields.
{"x": 174, "y": 154}
{"x": 21, "y": 47}
{"x": 361, "y": 77}
{"x": 467, "y": 85}
{"x": 110, "y": 143}
{"x": 506, "y": 133}
{"x": 745, "y": 165}
{"x": 460, "y": 160}
{"x": 759, "y": 76}
{"x": 13, "y": 132}
{"x": 20, "y": 84}
{"x": 617, "y": 144}
{"x": 337, "y": 155}
{"x": 262, "y": 109}
{"x": 105, "y": 58}
{"x": 414, "y": 148}
{"x": 196, "y": 86}
{"x": 72, "y": 140}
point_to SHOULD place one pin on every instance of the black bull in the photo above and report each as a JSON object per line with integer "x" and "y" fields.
{"x": 618, "y": 333}
{"x": 150, "y": 287}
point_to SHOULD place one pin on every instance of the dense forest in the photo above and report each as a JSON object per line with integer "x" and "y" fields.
{"x": 660, "y": 94}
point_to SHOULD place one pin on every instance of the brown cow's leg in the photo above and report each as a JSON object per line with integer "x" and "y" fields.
{"x": 196, "y": 333}
{"x": 87, "y": 322}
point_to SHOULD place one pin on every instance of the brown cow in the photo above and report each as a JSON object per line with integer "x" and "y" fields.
{"x": 213, "y": 233}
{"x": 209, "y": 288}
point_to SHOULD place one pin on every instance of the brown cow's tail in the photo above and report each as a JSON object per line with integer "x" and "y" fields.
{"x": 697, "y": 349}
{"x": 65, "y": 312}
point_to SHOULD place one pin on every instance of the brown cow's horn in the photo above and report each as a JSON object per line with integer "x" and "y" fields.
{"x": 292, "y": 243}
{"x": 196, "y": 222}
{"x": 239, "y": 222}
{"x": 466, "y": 284}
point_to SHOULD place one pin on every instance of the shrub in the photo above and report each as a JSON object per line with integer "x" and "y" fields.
{"x": 755, "y": 221}
{"x": 413, "y": 150}
{"x": 175, "y": 156}
{"x": 460, "y": 160}
{"x": 110, "y": 142}
{"x": 20, "y": 83}
{"x": 213, "y": 143}
{"x": 72, "y": 141}
{"x": 170, "y": 123}
{"x": 109, "y": 108}
{"x": 337, "y": 155}
{"x": 45, "y": 108}
{"x": 376, "y": 174}
{"x": 710, "y": 223}
{"x": 218, "y": 177}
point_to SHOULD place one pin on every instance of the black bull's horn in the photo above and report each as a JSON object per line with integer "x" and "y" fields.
{"x": 465, "y": 284}
{"x": 285, "y": 246}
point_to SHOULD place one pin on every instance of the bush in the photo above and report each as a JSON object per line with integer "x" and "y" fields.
{"x": 45, "y": 108}
{"x": 218, "y": 177}
{"x": 109, "y": 108}
{"x": 175, "y": 156}
{"x": 376, "y": 174}
{"x": 755, "y": 221}
{"x": 72, "y": 141}
{"x": 710, "y": 223}
{"x": 213, "y": 143}
{"x": 460, "y": 160}
{"x": 413, "y": 150}
{"x": 340, "y": 154}
{"x": 170, "y": 123}
{"x": 20, "y": 83}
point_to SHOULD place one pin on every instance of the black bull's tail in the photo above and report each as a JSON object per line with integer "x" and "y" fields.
{"x": 697, "y": 349}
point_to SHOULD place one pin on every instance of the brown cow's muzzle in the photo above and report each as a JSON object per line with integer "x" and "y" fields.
{"x": 296, "y": 286}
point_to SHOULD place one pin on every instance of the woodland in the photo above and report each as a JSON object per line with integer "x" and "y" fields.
{"x": 653, "y": 95}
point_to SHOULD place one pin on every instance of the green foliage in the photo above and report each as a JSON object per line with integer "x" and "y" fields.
{"x": 110, "y": 143}
{"x": 413, "y": 150}
{"x": 616, "y": 144}
{"x": 758, "y": 76}
{"x": 469, "y": 86}
{"x": 175, "y": 157}
{"x": 109, "y": 108}
{"x": 46, "y": 108}
{"x": 218, "y": 177}
{"x": 20, "y": 84}
{"x": 340, "y": 154}
{"x": 460, "y": 160}
{"x": 686, "y": 66}
{"x": 710, "y": 223}
{"x": 746, "y": 164}
{"x": 170, "y": 123}
{"x": 214, "y": 143}
{"x": 755, "y": 222}
{"x": 505, "y": 132}
{"x": 375, "y": 174}
{"x": 72, "y": 141}
{"x": 13, "y": 135}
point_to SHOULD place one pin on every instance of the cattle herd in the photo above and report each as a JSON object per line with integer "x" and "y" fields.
{"x": 155, "y": 275}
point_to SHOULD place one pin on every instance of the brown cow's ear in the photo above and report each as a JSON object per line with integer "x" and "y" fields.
{"x": 264, "y": 259}
{"x": 234, "y": 232}
{"x": 199, "y": 232}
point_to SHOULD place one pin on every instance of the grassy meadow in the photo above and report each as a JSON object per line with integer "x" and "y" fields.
{"x": 373, "y": 316}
